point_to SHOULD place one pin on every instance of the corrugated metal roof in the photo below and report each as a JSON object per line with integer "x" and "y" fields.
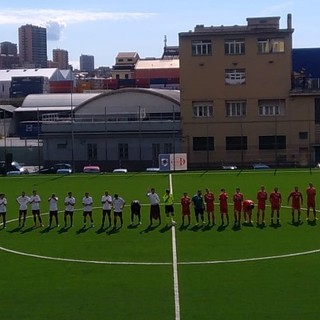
{"x": 44, "y": 109}
{"x": 127, "y": 54}
{"x": 7, "y": 107}
{"x": 50, "y": 73}
{"x": 157, "y": 64}
{"x": 57, "y": 100}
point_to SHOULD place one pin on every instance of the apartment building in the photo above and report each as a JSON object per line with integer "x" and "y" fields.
{"x": 238, "y": 105}
{"x": 33, "y": 46}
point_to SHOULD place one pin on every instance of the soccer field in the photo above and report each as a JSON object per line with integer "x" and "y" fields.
{"x": 158, "y": 273}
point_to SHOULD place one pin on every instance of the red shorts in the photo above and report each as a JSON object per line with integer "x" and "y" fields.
{"x": 311, "y": 204}
{"x": 210, "y": 207}
{"x": 237, "y": 207}
{"x": 223, "y": 209}
{"x": 186, "y": 212}
{"x": 296, "y": 206}
{"x": 262, "y": 206}
{"x": 275, "y": 207}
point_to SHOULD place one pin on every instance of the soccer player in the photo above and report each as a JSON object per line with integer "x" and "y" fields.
{"x": 87, "y": 203}
{"x": 296, "y": 201}
{"x": 117, "y": 204}
{"x": 23, "y": 201}
{"x": 198, "y": 204}
{"x": 106, "y": 201}
{"x": 135, "y": 210}
{"x": 53, "y": 209}
{"x": 237, "y": 206}
{"x": 223, "y": 203}
{"x": 185, "y": 207}
{"x": 3, "y": 209}
{"x": 247, "y": 207}
{"x": 69, "y": 203}
{"x": 262, "y": 197}
{"x": 209, "y": 200}
{"x": 168, "y": 207}
{"x": 275, "y": 201}
{"x": 311, "y": 201}
{"x": 35, "y": 208}
{"x": 154, "y": 205}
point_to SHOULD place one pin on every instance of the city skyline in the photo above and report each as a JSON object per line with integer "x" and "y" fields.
{"x": 103, "y": 29}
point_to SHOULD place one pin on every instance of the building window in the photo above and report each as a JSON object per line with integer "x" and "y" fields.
{"x": 202, "y": 109}
{"x": 236, "y": 143}
{"x": 201, "y": 47}
{"x": 271, "y": 107}
{"x": 168, "y": 148}
{"x": 155, "y": 151}
{"x": 234, "y": 46}
{"x": 235, "y": 76}
{"x": 236, "y": 108}
{"x": 268, "y": 45}
{"x": 203, "y": 143}
{"x": 92, "y": 151}
{"x": 123, "y": 151}
{"x": 126, "y": 76}
{"x": 272, "y": 142}
{"x": 303, "y": 135}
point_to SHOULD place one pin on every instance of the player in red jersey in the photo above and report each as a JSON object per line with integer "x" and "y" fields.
{"x": 237, "y": 206}
{"x": 209, "y": 200}
{"x": 185, "y": 207}
{"x": 262, "y": 197}
{"x": 247, "y": 207}
{"x": 223, "y": 203}
{"x": 296, "y": 201}
{"x": 275, "y": 200}
{"x": 311, "y": 201}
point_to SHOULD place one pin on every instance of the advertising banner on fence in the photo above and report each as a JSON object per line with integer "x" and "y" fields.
{"x": 173, "y": 162}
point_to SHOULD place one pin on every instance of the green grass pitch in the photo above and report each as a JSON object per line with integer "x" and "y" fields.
{"x": 279, "y": 288}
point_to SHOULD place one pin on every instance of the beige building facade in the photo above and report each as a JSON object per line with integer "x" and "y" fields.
{"x": 237, "y": 101}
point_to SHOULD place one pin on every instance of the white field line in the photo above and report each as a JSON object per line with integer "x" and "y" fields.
{"x": 175, "y": 265}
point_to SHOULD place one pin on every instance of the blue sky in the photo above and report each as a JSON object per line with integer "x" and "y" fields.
{"x": 103, "y": 27}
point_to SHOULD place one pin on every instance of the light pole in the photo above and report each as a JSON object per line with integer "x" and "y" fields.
{"x": 4, "y": 134}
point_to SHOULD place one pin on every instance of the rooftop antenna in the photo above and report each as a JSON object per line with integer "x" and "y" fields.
{"x": 165, "y": 41}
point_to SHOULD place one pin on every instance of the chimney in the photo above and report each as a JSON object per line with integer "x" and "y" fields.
{"x": 289, "y": 21}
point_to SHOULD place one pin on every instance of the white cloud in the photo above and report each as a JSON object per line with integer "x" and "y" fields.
{"x": 57, "y": 20}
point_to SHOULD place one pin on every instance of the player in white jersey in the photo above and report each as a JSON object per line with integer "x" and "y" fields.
{"x": 106, "y": 201}
{"x": 69, "y": 202}
{"x": 53, "y": 209}
{"x": 87, "y": 203}
{"x": 23, "y": 201}
{"x": 3, "y": 209}
{"x": 117, "y": 204}
{"x": 35, "y": 208}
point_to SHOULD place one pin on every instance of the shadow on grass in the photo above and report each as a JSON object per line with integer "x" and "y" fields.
{"x": 236, "y": 227}
{"x": 207, "y": 227}
{"x": 296, "y": 223}
{"x": 165, "y": 228}
{"x": 261, "y": 226}
{"x": 275, "y": 225}
{"x": 247, "y": 224}
{"x": 46, "y": 230}
{"x": 196, "y": 228}
{"x": 222, "y": 227}
{"x": 82, "y": 230}
{"x": 133, "y": 226}
{"x": 114, "y": 230}
{"x": 149, "y": 228}
{"x": 312, "y": 223}
{"x": 17, "y": 229}
{"x": 64, "y": 230}
{"x": 183, "y": 227}
{"x": 23, "y": 231}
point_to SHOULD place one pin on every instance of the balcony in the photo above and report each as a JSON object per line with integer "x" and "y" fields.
{"x": 305, "y": 85}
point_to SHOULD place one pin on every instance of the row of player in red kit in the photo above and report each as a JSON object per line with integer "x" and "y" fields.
{"x": 240, "y": 204}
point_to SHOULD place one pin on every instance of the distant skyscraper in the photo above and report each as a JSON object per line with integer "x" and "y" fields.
{"x": 8, "y": 55}
{"x": 86, "y": 63}
{"x": 8, "y": 48}
{"x": 33, "y": 46}
{"x": 60, "y": 58}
